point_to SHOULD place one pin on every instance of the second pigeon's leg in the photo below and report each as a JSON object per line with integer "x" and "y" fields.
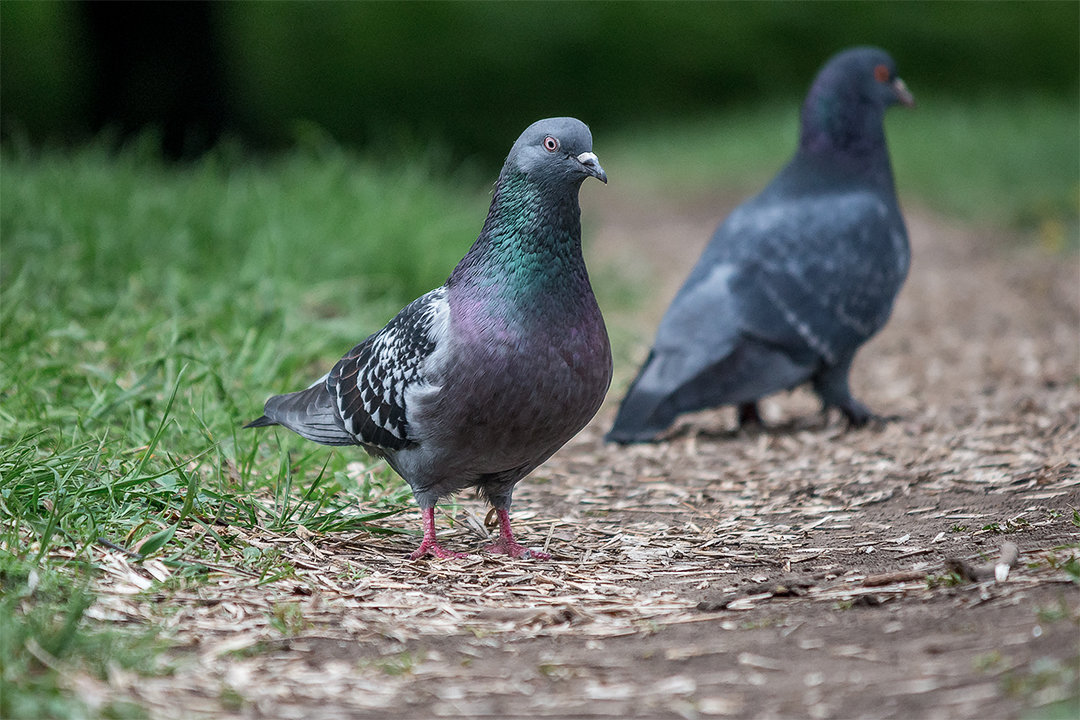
{"x": 856, "y": 413}
{"x": 506, "y": 544}
{"x": 831, "y": 385}
{"x": 429, "y": 546}
{"x": 749, "y": 415}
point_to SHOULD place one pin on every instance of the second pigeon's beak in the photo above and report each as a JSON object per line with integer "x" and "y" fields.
{"x": 592, "y": 167}
{"x": 903, "y": 95}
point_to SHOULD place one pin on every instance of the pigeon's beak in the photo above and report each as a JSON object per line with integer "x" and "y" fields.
{"x": 592, "y": 167}
{"x": 903, "y": 95}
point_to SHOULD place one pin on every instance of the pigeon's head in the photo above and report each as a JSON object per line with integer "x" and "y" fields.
{"x": 865, "y": 75}
{"x": 846, "y": 104}
{"x": 555, "y": 151}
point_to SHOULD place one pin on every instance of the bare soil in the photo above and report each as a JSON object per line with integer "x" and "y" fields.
{"x": 800, "y": 571}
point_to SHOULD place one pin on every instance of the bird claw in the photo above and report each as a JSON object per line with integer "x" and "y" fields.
{"x": 433, "y": 548}
{"x": 749, "y": 418}
{"x": 515, "y": 550}
{"x": 866, "y": 417}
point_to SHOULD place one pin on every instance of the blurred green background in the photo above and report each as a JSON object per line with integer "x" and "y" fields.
{"x": 463, "y": 73}
{"x": 337, "y": 161}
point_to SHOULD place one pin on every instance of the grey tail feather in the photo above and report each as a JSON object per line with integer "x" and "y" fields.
{"x": 643, "y": 414}
{"x": 751, "y": 371}
{"x": 642, "y": 418}
{"x": 309, "y": 413}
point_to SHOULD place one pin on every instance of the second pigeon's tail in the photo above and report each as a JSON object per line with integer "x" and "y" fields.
{"x": 309, "y": 413}
{"x": 670, "y": 384}
{"x": 637, "y": 421}
{"x": 644, "y": 413}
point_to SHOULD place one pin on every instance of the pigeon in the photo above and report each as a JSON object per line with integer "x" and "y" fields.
{"x": 797, "y": 278}
{"x": 481, "y": 380}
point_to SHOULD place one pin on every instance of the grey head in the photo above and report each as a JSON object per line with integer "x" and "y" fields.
{"x": 554, "y": 151}
{"x": 847, "y": 101}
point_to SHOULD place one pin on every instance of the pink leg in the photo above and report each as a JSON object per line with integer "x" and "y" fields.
{"x": 429, "y": 546}
{"x": 506, "y": 544}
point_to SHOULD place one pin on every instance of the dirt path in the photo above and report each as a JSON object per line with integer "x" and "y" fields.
{"x": 718, "y": 574}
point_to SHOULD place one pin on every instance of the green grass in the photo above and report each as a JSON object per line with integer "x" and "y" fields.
{"x": 45, "y": 639}
{"x": 146, "y": 310}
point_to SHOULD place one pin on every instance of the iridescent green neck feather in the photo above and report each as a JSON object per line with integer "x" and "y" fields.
{"x": 530, "y": 244}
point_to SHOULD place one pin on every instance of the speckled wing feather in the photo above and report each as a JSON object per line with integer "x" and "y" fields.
{"x": 818, "y": 274}
{"x": 370, "y": 384}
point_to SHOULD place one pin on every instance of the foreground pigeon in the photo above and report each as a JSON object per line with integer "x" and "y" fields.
{"x": 797, "y": 278}
{"x": 479, "y": 381}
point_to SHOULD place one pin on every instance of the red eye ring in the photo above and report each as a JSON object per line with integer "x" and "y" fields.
{"x": 881, "y": 74}
{"x": 551, "y": 144}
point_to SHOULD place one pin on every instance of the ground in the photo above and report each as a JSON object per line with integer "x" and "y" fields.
{"x": 799, "y": 571}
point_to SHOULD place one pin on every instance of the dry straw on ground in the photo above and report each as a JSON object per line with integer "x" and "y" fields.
{"x": 800, "y": 571}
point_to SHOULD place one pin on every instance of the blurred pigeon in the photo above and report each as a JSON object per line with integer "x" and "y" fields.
{"x": 797, "y": 278}
{"x": 479, "y": 381}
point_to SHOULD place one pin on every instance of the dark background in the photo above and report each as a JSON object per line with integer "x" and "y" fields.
{"x": 386, "y": 74}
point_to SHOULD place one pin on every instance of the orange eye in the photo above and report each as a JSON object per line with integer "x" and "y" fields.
{"x": 551, "y": 144}
{"x": 881, "y": 74}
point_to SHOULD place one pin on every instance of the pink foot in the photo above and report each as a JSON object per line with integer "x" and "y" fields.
{"x": 429, "y": 546}
{"x": 434, "y": 548}
{"x": 507, "y": 545}
{"x": 516, "y": 550}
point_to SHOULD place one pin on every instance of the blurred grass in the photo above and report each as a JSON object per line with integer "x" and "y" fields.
{"x": 1006, "y": 162}
{"x": 146, "y": 310}
{"x": 46, "y": 640}
{"x": 384, "y": 72}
